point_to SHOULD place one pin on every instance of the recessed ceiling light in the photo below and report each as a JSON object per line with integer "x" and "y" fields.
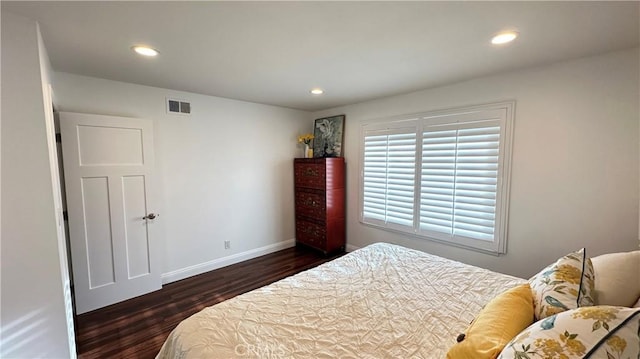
{"x": 504, "y": 37}
{"x": 317, "y": 91}
{"x": 145, "y": 51}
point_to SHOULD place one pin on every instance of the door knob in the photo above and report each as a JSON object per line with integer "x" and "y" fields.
{"x": 150, "y": 216}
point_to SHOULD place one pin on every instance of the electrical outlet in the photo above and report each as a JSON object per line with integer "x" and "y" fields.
{"x": 227, "y": 244}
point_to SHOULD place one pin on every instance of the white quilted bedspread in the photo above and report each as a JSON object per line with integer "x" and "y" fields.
{"x": 382, "y": 301}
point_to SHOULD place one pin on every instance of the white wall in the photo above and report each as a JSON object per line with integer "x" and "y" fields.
{"x": 32, "y": 300}
{"x": 575, "y": 159}
{"x": 226, "y": 171}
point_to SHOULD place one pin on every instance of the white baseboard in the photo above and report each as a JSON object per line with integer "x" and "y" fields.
{"x": 190, "y": 271}
{"x": 351, "y": 248}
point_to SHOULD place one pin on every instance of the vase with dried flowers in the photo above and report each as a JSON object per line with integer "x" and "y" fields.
{"x": 306, "y": 139}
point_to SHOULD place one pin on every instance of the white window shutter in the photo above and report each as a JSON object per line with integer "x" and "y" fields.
{"x": 442, "y": 176}
{"x": 389, "y": 178}
{"x": 459, "y": 180}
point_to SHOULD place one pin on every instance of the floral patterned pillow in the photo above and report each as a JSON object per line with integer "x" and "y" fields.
{"x": 587, "y": 332}
{"x": 566, "y": 284}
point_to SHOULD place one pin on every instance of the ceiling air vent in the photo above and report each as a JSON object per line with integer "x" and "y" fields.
{"x": 179, "y": 107}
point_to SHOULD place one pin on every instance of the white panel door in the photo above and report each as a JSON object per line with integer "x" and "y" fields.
{"x": 108, "y": 166}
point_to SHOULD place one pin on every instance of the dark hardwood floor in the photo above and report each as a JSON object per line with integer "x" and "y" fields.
{"x": 137, "y": 327}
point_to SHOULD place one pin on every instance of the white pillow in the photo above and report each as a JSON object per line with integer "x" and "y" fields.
{"x": 617, "y": 278}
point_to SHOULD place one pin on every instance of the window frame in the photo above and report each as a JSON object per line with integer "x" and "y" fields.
{"x": 447, "y": 118}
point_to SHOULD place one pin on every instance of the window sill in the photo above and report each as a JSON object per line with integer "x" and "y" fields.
{"x": 432, "y": 239}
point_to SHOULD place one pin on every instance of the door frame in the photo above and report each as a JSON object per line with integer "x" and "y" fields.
{"x": 55, "y": 167}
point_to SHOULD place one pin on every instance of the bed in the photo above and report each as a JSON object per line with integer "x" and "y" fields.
{"x": 379, "y": 301}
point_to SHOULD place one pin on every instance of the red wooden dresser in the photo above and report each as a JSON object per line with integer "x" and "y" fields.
{"x": 320, "y": 202}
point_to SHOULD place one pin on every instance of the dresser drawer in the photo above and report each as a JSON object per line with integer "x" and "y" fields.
{"x": 311, "y": 203}
{"x": 310, "y": 175}
{"x": 311, "y": 234}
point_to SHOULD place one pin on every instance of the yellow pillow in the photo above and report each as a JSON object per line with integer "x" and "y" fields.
{"x": 500, "y": 321}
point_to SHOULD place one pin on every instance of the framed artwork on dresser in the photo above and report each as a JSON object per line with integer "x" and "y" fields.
{"x": 328, "y": 135}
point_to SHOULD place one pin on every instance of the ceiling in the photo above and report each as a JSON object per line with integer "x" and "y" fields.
{"x": 275, "y": 52}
